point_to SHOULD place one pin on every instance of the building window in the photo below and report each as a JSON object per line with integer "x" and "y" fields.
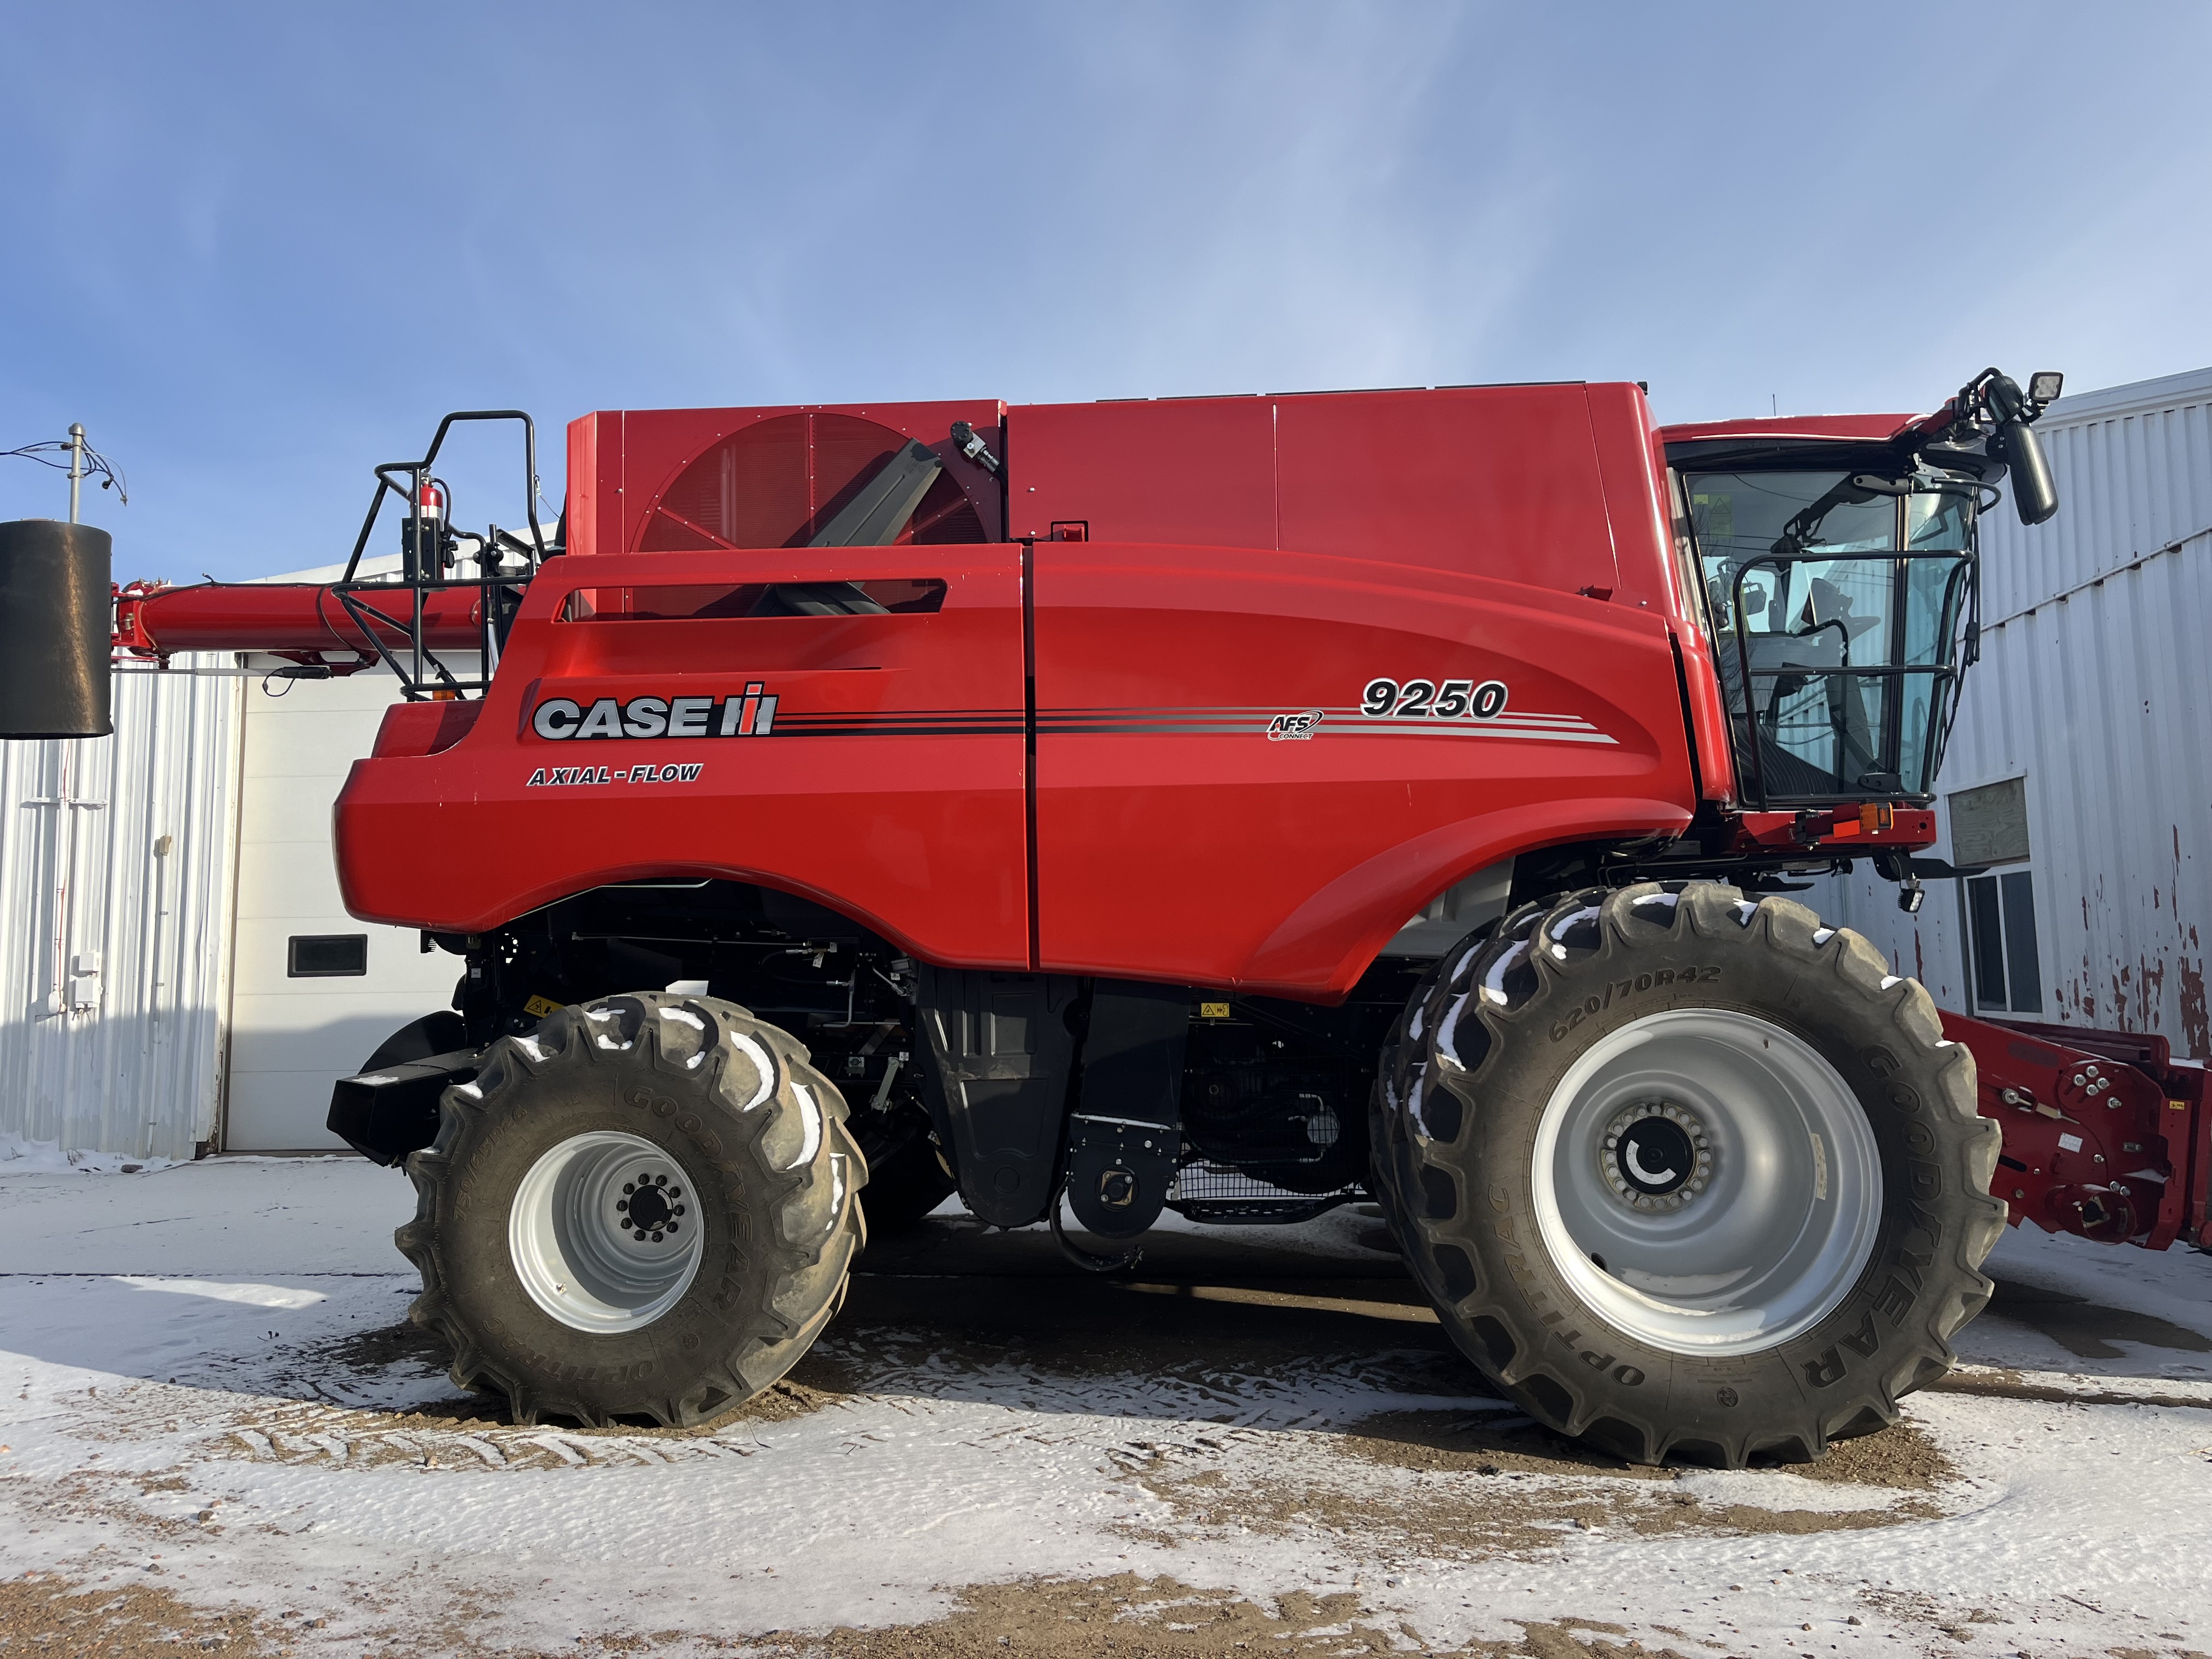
{"x": 327, "y": 956}
{"x": 1989, "y": 825}
{"x": 2000, "y": 926}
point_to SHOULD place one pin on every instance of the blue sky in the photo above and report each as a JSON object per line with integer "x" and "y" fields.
{"x": 257, "y": 248}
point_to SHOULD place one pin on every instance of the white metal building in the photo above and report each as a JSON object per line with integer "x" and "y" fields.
{"x": 116, "y": 869}
{"x": 2081, "y": 768}
{"x": 177, "y": 973}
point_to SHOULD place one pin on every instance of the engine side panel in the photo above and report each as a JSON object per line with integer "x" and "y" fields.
{"x": 1220, "y": 799}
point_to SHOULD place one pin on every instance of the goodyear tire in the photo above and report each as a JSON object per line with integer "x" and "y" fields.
{"x": 646, "y": 1208}
{"x": 1688, "y": 1175}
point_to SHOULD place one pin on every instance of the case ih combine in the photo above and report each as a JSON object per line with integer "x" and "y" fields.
{"x": 1237, "y": 806}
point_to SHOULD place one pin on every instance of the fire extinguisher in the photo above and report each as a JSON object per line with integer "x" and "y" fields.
{"x": 425, "y": 543}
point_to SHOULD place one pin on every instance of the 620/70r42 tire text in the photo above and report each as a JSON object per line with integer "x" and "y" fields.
{"x": 646, "y": 1208}
{"x": 1689, "y": 1174}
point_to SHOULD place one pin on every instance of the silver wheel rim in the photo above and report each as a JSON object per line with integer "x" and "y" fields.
{"x": 604, "y": 1233}
{"x": 1721, "y": 1171}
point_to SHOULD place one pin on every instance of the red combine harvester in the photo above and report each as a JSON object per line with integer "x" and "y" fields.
{"x": 1235, "y": 805}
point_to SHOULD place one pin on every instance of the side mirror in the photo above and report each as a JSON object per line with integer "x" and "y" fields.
{"x": 2034, "y": 496}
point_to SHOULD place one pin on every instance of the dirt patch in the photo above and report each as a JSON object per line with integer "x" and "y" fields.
{"x": 1479, "y": 1442}
{"x": 1488, "y": 1489}
{"x": 1128, "y": 1617}
{"x": 1471, "y": 1485}
{"x": 46, "y": 1614}
{"x": 1900, "y": 1457}
{"x": 1750, "y": 1518}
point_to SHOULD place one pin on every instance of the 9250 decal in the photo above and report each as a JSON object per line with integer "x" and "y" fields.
{"x": 1448, "y": 700}
{"x": 751, "y": 715}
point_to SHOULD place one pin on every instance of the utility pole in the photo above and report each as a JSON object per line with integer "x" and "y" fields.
{"x": 76, "y": 464}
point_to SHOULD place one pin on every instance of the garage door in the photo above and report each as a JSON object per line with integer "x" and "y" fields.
{"x": 313, "y": 990}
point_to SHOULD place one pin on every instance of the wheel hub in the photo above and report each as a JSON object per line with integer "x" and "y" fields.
{"x": 648, "y": 1207}
{"x": 1657, "y": 1156}
{"x": 1706, "y": 1181}
{"x": 601, "y": 1235}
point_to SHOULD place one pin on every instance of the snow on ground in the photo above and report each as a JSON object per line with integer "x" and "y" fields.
{"x": 209, "y": 1397}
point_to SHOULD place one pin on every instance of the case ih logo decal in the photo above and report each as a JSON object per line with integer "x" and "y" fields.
{"x": 749, "y": 715}
{"x": 546, "y": 777}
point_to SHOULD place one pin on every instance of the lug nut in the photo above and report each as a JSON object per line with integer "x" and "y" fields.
{"x": 671, "y": 1226}
{"x": 676, "y": 1192}
{"x": 640, "y": 1236}
{"x": 679, "y": 1209}
{"x": 622, "y": 1204}
{"x": 629, "y": 1186}
{"x": 656, "y": 1238}
{"x": 660, "y": 1180}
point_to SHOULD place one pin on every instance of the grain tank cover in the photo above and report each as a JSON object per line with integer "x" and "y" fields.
{"x": 54, "y": 627}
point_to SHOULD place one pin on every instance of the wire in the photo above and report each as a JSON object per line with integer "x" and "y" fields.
{"x": 96, "y": 465}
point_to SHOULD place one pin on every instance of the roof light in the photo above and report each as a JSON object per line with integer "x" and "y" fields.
{"x": 2044, "y": 384}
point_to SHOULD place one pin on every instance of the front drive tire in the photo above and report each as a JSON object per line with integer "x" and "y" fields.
{"x": 1688, "y": 1175}
{"x": 646, "y": 1208}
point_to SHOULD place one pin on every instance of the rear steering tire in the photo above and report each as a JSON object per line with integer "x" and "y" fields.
{"x": 646, "y": 1208}
{"x": 1686, "y": 1174}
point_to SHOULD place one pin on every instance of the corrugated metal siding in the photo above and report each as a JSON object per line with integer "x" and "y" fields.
{"x": 2092, "y": 686}
{"x": 128, "y": 1060}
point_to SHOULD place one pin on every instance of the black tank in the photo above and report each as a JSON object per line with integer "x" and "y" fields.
{"x": 55, "y": 617}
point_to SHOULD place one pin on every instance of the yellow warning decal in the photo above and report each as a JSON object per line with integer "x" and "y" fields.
{"x": 1213, "y": 1011}
{"x": 541, "y": 1006}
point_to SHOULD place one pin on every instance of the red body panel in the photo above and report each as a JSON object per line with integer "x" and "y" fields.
{"x": 1178, "y": 839}
{"x": 1494, "y": 480}
{"x": 861, "y": 796}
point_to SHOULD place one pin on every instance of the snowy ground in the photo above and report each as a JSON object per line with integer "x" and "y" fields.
{"x": 217, "y": 1430}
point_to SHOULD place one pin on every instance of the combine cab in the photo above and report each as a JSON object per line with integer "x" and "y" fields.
{"x": 1231, "y": 805}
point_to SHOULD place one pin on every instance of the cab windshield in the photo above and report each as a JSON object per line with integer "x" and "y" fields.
{"x": 1837, "y": 602}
